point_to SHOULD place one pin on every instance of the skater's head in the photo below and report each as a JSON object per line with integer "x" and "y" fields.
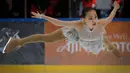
{"x": 89, "y": 16}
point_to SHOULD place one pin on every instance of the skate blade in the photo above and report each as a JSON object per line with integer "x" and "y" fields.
{"x": 3, "y": 51}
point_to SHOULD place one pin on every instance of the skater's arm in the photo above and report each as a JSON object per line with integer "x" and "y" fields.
{"x": 109, "y": 19}
{"x": 60, "y": 22}
{"x": 56, "y": 21}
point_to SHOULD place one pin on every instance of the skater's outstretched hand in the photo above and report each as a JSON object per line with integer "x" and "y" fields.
{"x": 36, "y": 15}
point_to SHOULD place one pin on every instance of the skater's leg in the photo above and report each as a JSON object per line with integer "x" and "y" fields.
{"x": 52, "y": 37}
{"x": 112, "y": 47}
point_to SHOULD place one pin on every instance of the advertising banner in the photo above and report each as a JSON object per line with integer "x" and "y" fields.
{"x": 118, "y": 33}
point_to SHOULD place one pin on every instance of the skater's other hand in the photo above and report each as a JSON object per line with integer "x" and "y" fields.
{"x": 116, "y": 5}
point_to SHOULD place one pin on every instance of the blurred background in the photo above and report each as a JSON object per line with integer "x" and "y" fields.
{"x": 60, "y": 8}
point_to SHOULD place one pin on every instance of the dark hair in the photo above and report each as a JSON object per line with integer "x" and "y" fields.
{"x": 85, "y": 10}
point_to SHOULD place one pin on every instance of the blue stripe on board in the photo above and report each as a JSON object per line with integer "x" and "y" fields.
{"x": 21, "y": 20}
{"x": 41, "y": 20}
{"x": 121, "y": 19}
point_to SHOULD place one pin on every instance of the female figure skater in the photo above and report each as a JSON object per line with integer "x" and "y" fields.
{"x": 89, "y": 32}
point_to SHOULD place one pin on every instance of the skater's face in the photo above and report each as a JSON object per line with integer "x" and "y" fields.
{"x": 91, "y": 18}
